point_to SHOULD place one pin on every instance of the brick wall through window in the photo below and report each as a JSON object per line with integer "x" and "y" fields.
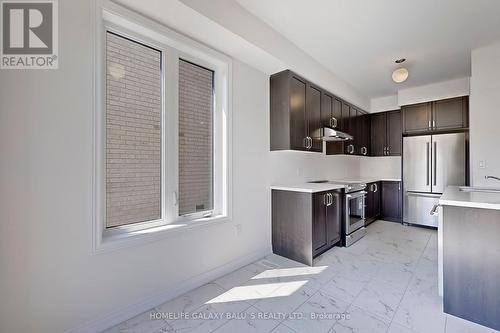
{"x": 195, "y": 138}
{"x": 133, "y": 132}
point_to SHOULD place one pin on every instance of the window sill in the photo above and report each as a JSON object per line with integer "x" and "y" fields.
{"x": 118, "y": 239}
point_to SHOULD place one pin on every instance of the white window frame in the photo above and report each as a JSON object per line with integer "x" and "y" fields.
{"x": 174, "y": 46}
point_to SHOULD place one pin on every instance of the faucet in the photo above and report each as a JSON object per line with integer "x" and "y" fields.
{"x": 491, "y": 177}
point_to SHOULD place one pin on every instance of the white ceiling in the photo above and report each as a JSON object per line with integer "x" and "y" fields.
{"x": 359, "y": 39}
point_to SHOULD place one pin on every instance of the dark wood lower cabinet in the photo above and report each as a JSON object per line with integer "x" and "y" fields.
{"x": 326, "y": 221}
{"x": 391, "y": 208}
{"x": 372, "y": 209}
{"x": 305, "y": 224}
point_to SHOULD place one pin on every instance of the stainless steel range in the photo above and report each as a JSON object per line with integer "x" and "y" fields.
{"x": 354, "y": 212}
{"x": 353, "y": 226}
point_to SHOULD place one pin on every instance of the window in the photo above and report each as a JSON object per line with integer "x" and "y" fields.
{"x": 133, "y": 132}
{"x": 162, "y": 125}
{"x": 195, "y": 138}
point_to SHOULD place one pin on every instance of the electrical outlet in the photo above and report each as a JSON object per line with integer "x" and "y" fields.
{"x": 239, "y": 229}
{"x": 482, "y": 164}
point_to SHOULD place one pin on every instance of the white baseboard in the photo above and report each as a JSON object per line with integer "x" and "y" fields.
{"x": 129, "y": 311}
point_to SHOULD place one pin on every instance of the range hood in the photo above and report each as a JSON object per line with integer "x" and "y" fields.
{"x": 331, "y": 134}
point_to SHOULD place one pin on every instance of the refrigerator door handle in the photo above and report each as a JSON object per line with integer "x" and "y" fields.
{"x": 435, "y": 163}
{"x": 427, "y": 164}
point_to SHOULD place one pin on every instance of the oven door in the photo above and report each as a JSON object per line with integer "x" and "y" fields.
{"x": 355, "y": 211}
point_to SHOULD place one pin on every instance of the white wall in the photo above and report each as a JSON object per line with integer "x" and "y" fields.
{"x": 434, "y": 91}
{"x": 238, "y": 20}
{"x": 419, "y": 94}
{"x": 386, "y": 167}
{"x": 49, "y": 280}
{"x": 286, "y": 166}
{"x": 485, "y": 114}
{"x": 386, "y": 103}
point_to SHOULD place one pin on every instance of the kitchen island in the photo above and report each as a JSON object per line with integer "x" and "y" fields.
{"x": 469, "y": 255}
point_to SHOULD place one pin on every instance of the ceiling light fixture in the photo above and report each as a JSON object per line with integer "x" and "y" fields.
{"x": 400, "y": 74}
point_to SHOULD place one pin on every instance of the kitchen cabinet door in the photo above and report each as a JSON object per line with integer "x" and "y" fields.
{"x": 326, "y": 109}
{"x": 372, "y": 202}
{"x": 450, "y": 114}
{"x": 334, "y": 217}
{"x": 313, "y": 112}
{"x": 349, "y": 114}
{"x": 365, "y": 135}
{"x": 376, "y": 195}
{"x": 337, "y": 113}
{"x": 417, "y": 118}
{"x": 378, "y": 133}
{"x": 391, "y": 201}
{"x": 319, "y": 223}
{"x": 394, "y": 134}
{"x": 298, "y": 125}
{"x": 337, "y": 147}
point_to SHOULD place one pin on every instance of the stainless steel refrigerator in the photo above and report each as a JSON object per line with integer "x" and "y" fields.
{"x": 430, "y": 164}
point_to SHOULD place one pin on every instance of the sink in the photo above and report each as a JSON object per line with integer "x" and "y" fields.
{"x": 318, "y": 181}
{"x": 479, "y": 189}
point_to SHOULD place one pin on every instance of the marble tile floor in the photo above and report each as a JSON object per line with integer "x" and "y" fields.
{"x": 386, "y": 282}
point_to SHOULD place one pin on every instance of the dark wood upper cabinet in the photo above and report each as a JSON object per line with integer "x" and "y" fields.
{"x": 386, "y": 135}
{"x": 346, "y": 117}
{"x": 313, "y": 113}
{"x": 378, "y": 133}
{"x": 417, "y": 118}
{"x": 443, "y": 115}
{"x": 450, "y": 114}
{"x": 391, "y": 208}
{"x": 364, "y": 135}
{"x": 298, "y": 119}
{"x": 341, "y": 114}
{"x": 349, "y": 113}
{"x": 295, "y": 113}
{"x": 337, "y": 113}
{"x": 300, "y": 110}
{"x": 331, "y": 111}
{"x": 394, "y": 133}
{"x": 326, "y": 108}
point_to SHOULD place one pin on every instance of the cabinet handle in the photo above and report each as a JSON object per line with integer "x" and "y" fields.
{"x": 364, "y": 150}
{"x": 330, "y": 201}
{"x": 430, "y": 124}
{"x": 376, "y": 188}
{"x": 325, "y": 199}
{"x": 350, "y": 149}
{"x": 434, "y": 124}
{"x": 385, "y": 151}
{"x": 333, "y": 122}
{"x": 308, "y": 142}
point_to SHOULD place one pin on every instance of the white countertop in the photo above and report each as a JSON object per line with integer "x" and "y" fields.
{"x": 307, "y": 187}
{"x": 368, "y": 180}
{"x": 320, "y": 187}
{"x": 452, "y": 196}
